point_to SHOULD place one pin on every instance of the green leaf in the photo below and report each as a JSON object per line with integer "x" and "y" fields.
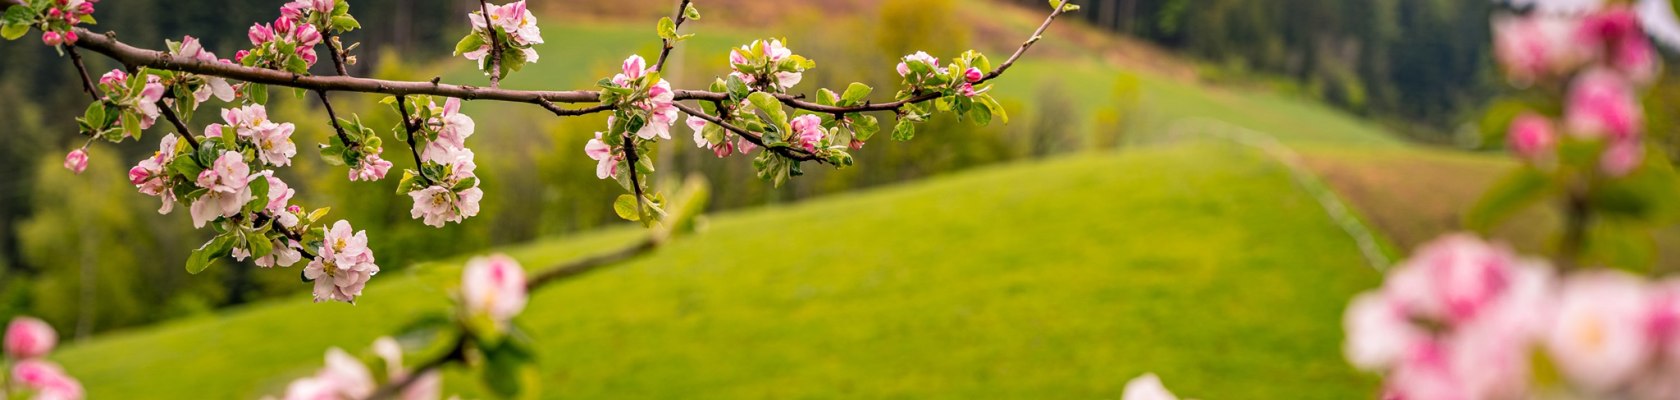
{"x": 865, "y": 127}
{"x": 827, "y": 97}
{"x": 737, "y": 88}
{"x": 690, "y": 12}
{"x": 468, "y": 44}
{"x": 259, "y": 245}
{"x": 667, "y": 29}
{"x": 1509, "y": 195}
{"x": 980, "y": 116}
{"x": 131, "y": 124}
{"x": 510, "y": 369}
{"x": 95, "y": 115}
{"x": 1650, "y": 195}
{"x": 993, "y": 106}
{"x": 13, "y": 31}
{"x": 855, "y": 94}
{"x": 1619, "y": 245}
{"x": 346, "y": 23}
{"x": 207, "y": 254}
{"x": 905, "y": 130}
{"x": 770, "y": 105}
{"x": 625, "y": 207}
{"x": 318, "y": 213}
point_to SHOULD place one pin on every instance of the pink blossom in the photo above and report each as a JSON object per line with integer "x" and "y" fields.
{"x": 213, "y": 86}
{"x": 1600, "y": 339}
{"x": 1601, "y": 103}
{"x": 113, "y": 80}
{"x": 967, "y": 90}
{"x": 453, "y": 129}
{"x": 737, "y": 57}
{"x": 307, "y": 36}
{"x": 1535, "y": 46}
{"x": 372, "y": 168}
{"x": 76, "y": 161}
{"x": 425, "y": 387}
{"x": 70, "y": 37}
{"x": 1617, "y": 39}
{"x": 1621, "y": 158}
{"x": 51, "y": 38}
{"x": 606, "y": 159}
{"x": 147, "y": 102}
{"x": 436, "y": 204}
{"x": 344, "y": 265}
{"x": 699, "y": 126}
{"x": 151, "y": 176}
{"x": 973, "y": 75}
{"x": 745, "y": 146}
{"x": 1531, "y": 136}
{"x": 47, "y": 380}
{"x": 1378, "y": 332}
{"x": 1146, "y": 387}
{"x": 274, "y": 143}
{"x": 493, "y": 286}
{"x": 227, "y": 182}
{"x": 1425, "y": 373}
{"x": 724, "y": 149}
{"x": 632, "y": 69}
{"x": 808, "y": 131}
{"x": 28, "y": 337}
{"x": 921, "y": 57}
{"x": 1452, "y": 278}
{"x": 662, "y": 111}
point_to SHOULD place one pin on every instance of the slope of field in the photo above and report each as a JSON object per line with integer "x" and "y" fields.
{"x": 1060, "y": 279}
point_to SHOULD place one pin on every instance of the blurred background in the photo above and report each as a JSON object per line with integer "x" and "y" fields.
{"x": 1158, "y": 202}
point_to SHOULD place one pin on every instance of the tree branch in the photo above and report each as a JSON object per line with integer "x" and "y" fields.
{"x": 796, "y": 154}
{"x": 495, "y": 45}
{"x": 670, "y": 44}
{"x": 337, "y": 57}
{"x": 412, "y": 127}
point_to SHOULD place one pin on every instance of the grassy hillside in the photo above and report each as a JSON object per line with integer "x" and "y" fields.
{"x": 1053, "y": 280}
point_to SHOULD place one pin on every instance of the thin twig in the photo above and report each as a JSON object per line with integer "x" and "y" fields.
{"x": 669, "y": 44}
{"x": 87, "y": 81}
{"x": 333, "y": 116}
{"x": 338, "y": 58}
{"x": 495, "y": 46}
{"x": 412, "y": 127}
{"x": 169, "y": 113}
{"x": 630, "y": 158}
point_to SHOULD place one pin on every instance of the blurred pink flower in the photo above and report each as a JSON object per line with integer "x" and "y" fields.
{"x": 1378, "y": 332}
{"x": 1601, "y": 104}
{"x": 1621, "y": 158}
{"x": 47, "y": 380}
{"x": 1599, "y": 339}
{"x": 493, "y": 286}
{"x": 76, "y": 161}
{"x": 1535, "y": 46}
{"x": 1451, "y": 278}
{"x": 1146, "y": 387}
{"x": 28, "y": 337}
{"x": 1532, "y": 137}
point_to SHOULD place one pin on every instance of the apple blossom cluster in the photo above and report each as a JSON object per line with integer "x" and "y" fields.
{"x": 342, "y": 264}
{"x": 1605, "y": 59}
{"x": 444, "y": 187}
{"x": 57, "y": 20}
{"x": 345, "y": 377}
{"x": 361, "y": 152}
{"x": 27, "y": 341}
{"x": 1465, "y": 319}
{"x": 286, "y": 45}
{"x": 510, "y": 26}
{"x": 767, "y": 65}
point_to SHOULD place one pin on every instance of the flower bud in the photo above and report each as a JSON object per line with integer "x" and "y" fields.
{"x": 113, "y": 79}
{"x": 138, "y": 175}
{"x": 28, "y": 338}
{"x": 260, "y": 34}
{"x": 70, "y": 37}
{"x": 54, "y": 13}
{"x": 967, "y": 90}
{"x": 1621, "y": 158}
{"x": 1531, "y": 136}
{"x": 76, "y": 161}
{"x": 973, "y": 75}
{"x": 51, "y": 38}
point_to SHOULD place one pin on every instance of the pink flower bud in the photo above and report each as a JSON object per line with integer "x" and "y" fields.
{"x": 113, "y": 79}
{"x": 54, "y": 13}
{"x": 308, "y": 36}
{"x": 260, "y": 34}
{"x": 138, "y": 175}
{"x": 973, "y": 75}
{"x": 284, "y": 25}
{"x": 28, "y": 338}
{"x": 903, "y": 69}
{"x": 76, "y": 161}
{"x": 85, "y": 9}
{"x": 724, "y": 149}
{"x": 70, "y": 37}
{"x": 1531, "y": 136}
{"x": 1601, "y": 103}
{"x": 967, "y": 90}
{"x": 240, "y": 55}
{"x": 856, "y": 144}
{"x": 51, "y": 38}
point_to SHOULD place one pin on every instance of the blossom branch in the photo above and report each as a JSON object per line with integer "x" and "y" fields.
{"x": 169, "y": 114}
{"x": 669, "y": 44}
{"x": 122, "y": 52}
{"x": 792, "y": 153}
{"x": 336, "y": 54}
{"x": 412, "y": 127}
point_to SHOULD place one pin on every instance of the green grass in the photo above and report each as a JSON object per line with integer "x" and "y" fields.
{"x": 1060, "y": 279}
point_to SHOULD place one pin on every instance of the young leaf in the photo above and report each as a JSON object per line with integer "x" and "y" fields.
{"x": 855, "y": 94}
{"x": 770, "y": 105}
{"x": 865, "y": 126}
{"x": 1510, "y": 195}
{"x": 468, "y": 44}
{"x": 905, "y": 130}
{"x": 667, "y": 29}
{"x": 625, "y": 207}
{"x": 690, "y": 12}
